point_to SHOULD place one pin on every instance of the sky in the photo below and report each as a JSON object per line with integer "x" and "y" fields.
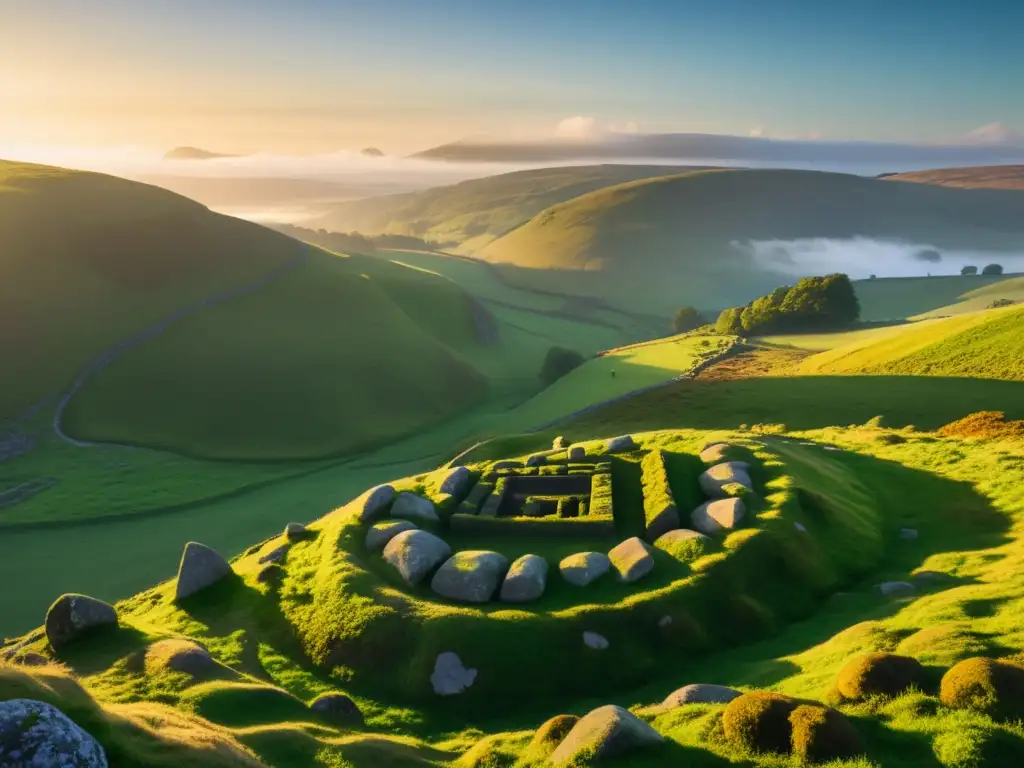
{"x": 316, "y": 76}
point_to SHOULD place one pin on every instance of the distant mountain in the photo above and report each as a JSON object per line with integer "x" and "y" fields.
{"x": 977, "y": 177}
{"x": 372, "y": 152}
{"x": 193, "y": 153}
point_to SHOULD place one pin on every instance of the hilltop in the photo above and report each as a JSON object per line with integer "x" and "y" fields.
{"x": 977, "y": 177}
{"x": 193, "y": 153}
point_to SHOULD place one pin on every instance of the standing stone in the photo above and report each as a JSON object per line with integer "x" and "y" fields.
{"x": 294, "y": 531}
{"x": 34, "y": 734}
{"x": 455, "y": 481}
{"x": 381, "y": 533}
{"x": 700, "y": 693}
{"x": 414, "y": 554}
{"x": 631, "y": 560}
{"x": 603, "y": 733}
{"x": 595, "y": 641}
{"x": 471, "y": 576}
{"x": 584, "y": 567}
{"x": 409, "y": 506}
{"x": 577, "y": 453}
{"x": 621, "y": 444}
{"x": 714, "y": 480}
{"x": 372, "y": 503}
{"x": 72, "y": 615}
{"x": 200, "y": 568}
{"x": 717, "y": 516}
{"x": 338, "y": 708}
{"x": 450, "y": 676}
{"x": 526, "y": 580}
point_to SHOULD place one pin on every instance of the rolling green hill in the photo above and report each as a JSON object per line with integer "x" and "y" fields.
{"x": 898, "y": 298}
{"x": 976, "y": 177}
{"x": 667, "y": 241}
{"x": 473, "y": 213}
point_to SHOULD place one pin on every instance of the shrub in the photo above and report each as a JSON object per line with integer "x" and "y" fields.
{"x": 999, "y": 303}
{"x": 986, "y": 685}
{"x": 820, "y": 734}
{"x": 687, "y": 319}
{"x": 880, "y": 674}
{"x": 759, "y": 721}
{"x": 969, "y": 271}
{"x": 992, "y": 269}
{"x": 558, "y": 362}
{"x": 729, "y": 321}
{"x": 813, "y": 303}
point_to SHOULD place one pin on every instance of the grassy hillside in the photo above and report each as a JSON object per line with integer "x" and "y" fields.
{"x": 666, "y": 241}
{"x": 87, "y": 260}
{"x": 897, "y": 298}
{"x": 1012, "y": 289}
{"x": 475, "y": 212}
{"x": 977, "y": 177}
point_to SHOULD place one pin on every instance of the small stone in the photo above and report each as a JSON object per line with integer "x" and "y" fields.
{"x": 908, "y": 534}
{"x": 896, "y": 588}
{"x": 455, "y": 481}
{"x": 714, "y": 480}
{"x": 595, "y": 641}
{"x": 700, "y": 693}
{"x": 381, "y": 533}
{"x": 665, "y": 621}
{"x": 631, "y": 560}
{"x": 414, "y": 554}
{"x": 338, "y": 708}
{"x": 800, "y": 527}
{"x": 537, "y": 460}
{"x": 717, "y": 516}
{"x": 526, "y": 580}
{"x": 274, "y": 555}
{"x": 294, "y": 531}
{"x": 409, "y": 506}
{"x": 200, "y": 568}
{"x": 621, "y": 444}
{"x": 72, "y": 615}
{"x": 470, "y": 577}
{"x": 372, "y": 503}
{"x": 584, "y": 567}
{"x": 34, "y": 734}
{"x": 577, "y": 453}
{"x": 450, "y": 676}
{"x": 717, "y": 453}
{"x": 603, "y": 733}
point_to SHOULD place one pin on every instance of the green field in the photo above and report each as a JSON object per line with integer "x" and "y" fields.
{"x": 897, "y": 298}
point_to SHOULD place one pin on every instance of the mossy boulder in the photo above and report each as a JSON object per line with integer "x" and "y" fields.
{"x": 759, "y": 721}
{"x": 880, "y": 674}
{"x": 179, "y": 654}
{"x": 821, "y": 734}
{"x": 605, "y": 732}
{"x": 73, "y": 615}
{"x": 992, "y": 686}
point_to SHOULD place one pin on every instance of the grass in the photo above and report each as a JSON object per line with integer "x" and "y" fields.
{"x": 1011, "y": 288}
{"x": 897, "y": 298}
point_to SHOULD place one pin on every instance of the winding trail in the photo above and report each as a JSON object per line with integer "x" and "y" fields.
{"x": 117, "y": 351}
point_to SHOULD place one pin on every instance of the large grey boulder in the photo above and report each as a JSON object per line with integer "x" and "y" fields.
{"x": 471, "y": 576}
{"x": 455, "y": 481}
{"x": 700, "y": 693}
{"x": 414, "y": 554}
{"x": 200, "y": 568}
{"x": 525, "y": 580}
{"x": 372, "y": 503}
{"x": 338, "y": 708}
{"x": 71, "y": 615}
{"x": 409, "y": 506}
{"x": 605, "y": 732}
{"x": 631, "y": 560}
{"x": 584, "y": 567}
{"x": 714, "y": 481}
{"x": 450, "y": 676}
{"x": 621, "y": 444}
{"x": 381, "y": 533}
{"x": 717, "y": 516}
{"x": 577, "y": 453}
{"x": 34, "y": 734}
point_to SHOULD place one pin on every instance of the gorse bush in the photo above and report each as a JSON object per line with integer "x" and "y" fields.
{"x": 814, "y": 303}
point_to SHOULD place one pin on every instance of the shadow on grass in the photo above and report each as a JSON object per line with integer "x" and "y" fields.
{"x": 98, "y": 649}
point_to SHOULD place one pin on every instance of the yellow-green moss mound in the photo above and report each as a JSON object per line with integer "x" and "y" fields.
{"x": 985, "y": 685}
{"x": 820, "y": 734}
{"x": 880, "y": 674}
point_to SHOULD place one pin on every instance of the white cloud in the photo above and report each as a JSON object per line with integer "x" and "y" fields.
{"x": 578, "y": 127}
{"x": 993, "y": 133}
{"x": 756, "y": 132}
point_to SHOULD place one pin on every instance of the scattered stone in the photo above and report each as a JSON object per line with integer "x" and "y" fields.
{"x": 471, "y": 576}
{"x": 34, "y": 734}
{"x": 896, "y": 588}
{"x": 631, "y": 560}
{"x": 179, "y": 655}
{"x": 274, "y": 555}
{"x": 595, "y": 641}
{"x": 72, "y": 615}
{"x": 338, "y": 708}
{"x": 621, "y": 444}
{"x": 603, "y": 733}
{"x": 551, "y": 732}
{"x": 832, "y": 448}
{"x": 269, "y": 573}
{"x": 450, "y": 676}
{"x": 526, "y": 580}
{"x": 665, "y": 621}
{"x": 908, "y": 534}
{"x": 683, "y": 544}
{"x": 559, "y": 443}
{"x": 800, "y": 527}
{"x": 200, "y": 568}
{"x": 717, "y": 453}
{"x": 537, "y": 460}
{"x": 409, "y": 506}
{"x": 577, "y": 453}
{"x": 714, "y": 480}
{"x": 717, "y": 516}
{"x": 373, "y": 502}
{"x": 455, "y": 481}
{"x": 381, "y": 533}
{"x": 415, "y": 554}
{"x": 879, "y": 674}
{"x": 700, "y": 693}
{"x": 294, "y": 531}
{"x": 584, "y": 567}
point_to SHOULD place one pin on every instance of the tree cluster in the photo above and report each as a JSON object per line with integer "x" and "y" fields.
{"x": 814, "y": 303}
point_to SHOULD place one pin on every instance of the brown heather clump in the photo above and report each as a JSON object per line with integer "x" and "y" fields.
{"x": 984, "y": 424}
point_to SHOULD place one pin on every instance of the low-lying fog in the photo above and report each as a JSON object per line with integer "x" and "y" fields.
{"x": 861, "y": 257}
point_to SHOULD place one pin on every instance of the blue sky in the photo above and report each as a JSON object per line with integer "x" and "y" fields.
{"x": 406, "y": 74}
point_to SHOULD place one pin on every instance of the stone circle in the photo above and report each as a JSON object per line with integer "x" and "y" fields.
{"x": 526, "y": 580}
{"x": 200, "y": 567}
{"x": 631, "y": 560}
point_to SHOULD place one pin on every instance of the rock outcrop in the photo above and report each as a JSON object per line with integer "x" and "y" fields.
{"x": 34, "y": 734}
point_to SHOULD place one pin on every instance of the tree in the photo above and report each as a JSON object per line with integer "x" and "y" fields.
{"x": 686, "y": 319}
{"x": 558, "y": 362}
{"x": 993, "y": 269}
{"x": 969, "y": 271}
{"x": 828, "y": 301}
{"x": 729, "y": 321}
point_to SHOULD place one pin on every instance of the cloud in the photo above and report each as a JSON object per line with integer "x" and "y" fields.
{"x": 993, "y": 133}
{"x": 756, "y": 132}
{"x": 578, "y": 127}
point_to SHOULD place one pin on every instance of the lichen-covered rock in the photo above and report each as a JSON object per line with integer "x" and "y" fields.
{"x": 621, "y": 444}
{"x": 179, "y": 655}
{"x": 471, "y": 576}
{"x": 717, "y": 516}
{"x": 414, "y": 554}
{"x": 584, "y": 567}
{"x": 683, "y": 544}
{"x": 409, "y": 506}
{"x": 577, "y": 453}
{"x": 596, "y": 641}
{"x": 992, "y": 686}
{"x": 631, "y": 560}
{"x": 454, "y": 482}
{"x": 294, "y": 531}
{"x": 373, "y": 503}
{"x": 605, "y": 732}
{"x": 72, "y": 615}
{"x": 526, "y": 580}
{"x": 450, "y": 676}
{"x": 200, "y": 568}
{"x": 34, "y": 734}
{"x": 700, "y": 693}
{"x": 381, "y": 533}
{"x": 338, "y": 708}
{"x": 714, "y": 480}
{"x": 879, "y": 674}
